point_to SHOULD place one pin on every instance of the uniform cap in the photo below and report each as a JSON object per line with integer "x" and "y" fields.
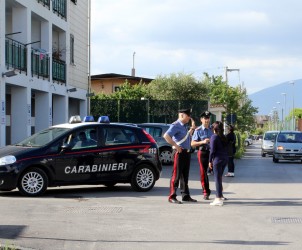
{"x": 185, "y": 111}
{"x": 206, "y": 114}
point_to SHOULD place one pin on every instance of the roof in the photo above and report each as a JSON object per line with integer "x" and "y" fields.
{"x": 119, "y": 76}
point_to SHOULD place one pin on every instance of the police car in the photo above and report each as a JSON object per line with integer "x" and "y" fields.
{"x": 77, "y": 153}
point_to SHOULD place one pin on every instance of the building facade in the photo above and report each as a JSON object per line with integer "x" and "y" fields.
{"x": 44, "y": 64}
{"x": 110, "y": 83}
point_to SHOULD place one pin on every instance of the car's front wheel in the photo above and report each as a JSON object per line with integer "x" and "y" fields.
{"x": 275, "y": 160}
{"x": 263, "y": 154}
{"x": 166, "y": 156}
{"x": 33, "y": 182}
{"x": 143, "y": 179}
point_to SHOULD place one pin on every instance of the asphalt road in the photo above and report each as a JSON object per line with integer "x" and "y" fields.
{"x": 263, "y": 212}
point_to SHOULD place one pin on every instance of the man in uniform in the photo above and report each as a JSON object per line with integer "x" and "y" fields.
{"x": 201, "y": 139}
{"x": 180, "y": 138}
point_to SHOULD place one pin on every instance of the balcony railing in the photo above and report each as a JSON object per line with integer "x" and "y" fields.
{"x": 39, "y": 63}
{"x": 15, "y": 55}
{"x": 59, "y": 7}
{"x": 45, "y": 3}
{"x": 58, "y": 70}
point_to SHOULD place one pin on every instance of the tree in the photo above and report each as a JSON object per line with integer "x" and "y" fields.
{"x": 234, "y": 100}
{"x": 297, "y": 113}
{"x": 177, "y": 87}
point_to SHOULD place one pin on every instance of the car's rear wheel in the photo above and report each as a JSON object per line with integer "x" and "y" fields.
{"x": 33, "y": 182}
{"x": 166, "y": 156}
{"x": 143, "y": 179}
{"x": 246, "y": 143}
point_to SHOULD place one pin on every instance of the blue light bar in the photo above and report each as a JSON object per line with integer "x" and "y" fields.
{"x": 88, "y": 119}
{"x": 103, "y": 119}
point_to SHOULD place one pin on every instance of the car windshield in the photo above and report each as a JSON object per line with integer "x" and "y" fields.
{"x": 42, "y": 138}
{"x": 290, "y": 137}
{"x": 270, "y": 136}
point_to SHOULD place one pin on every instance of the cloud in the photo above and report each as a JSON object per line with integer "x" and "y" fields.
{"x": 197, "y": 35}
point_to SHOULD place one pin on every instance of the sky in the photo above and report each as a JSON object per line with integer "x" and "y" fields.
{"x": 261, "y": 40}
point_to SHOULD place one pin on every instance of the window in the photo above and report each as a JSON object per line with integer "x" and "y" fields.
{"x": 71, "y": 49}
{"x": 84, "y": 138}
{"x": 117, "y": 88}
{"x": 114, "y": 136}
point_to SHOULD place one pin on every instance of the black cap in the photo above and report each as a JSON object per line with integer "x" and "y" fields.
{"x": 206, "y": 114}
{"x": 185, "y": 111}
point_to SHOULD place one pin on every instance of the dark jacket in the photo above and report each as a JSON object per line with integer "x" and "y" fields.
{"x": 218, "y": 151}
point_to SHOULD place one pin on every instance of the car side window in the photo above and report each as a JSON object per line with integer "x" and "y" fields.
{"x": 114, "y": 136}
{"x": 154, "y": 132}
{"x": 84, "y": 138}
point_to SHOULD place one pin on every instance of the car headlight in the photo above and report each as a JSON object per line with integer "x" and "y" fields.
{"x": 280, "y": 148}
{"x": 9, "y": 159}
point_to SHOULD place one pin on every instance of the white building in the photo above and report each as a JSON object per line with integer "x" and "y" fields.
{"x": 46, "y": 44}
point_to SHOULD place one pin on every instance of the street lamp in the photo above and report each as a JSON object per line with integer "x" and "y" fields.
{"x": 293, "y": 116}
{"x": 275, "y": 114}
{"x": 284, "y": 111}
{"x": 278, "y": 116}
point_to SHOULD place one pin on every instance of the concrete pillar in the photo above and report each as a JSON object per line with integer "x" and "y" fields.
{"x": 2, "y": 79}
{"x": 42, "y": 110}
{"x": 59, "y": 109}
{"x": 21, "y": 114}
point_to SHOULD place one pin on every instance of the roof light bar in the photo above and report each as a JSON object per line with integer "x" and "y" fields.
{"x": 104, "y": 119}
{"x": 75, "y": 119}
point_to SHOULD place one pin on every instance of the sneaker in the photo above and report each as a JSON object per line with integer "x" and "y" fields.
{"x": 230, "y": 175}
{"x": 217, "y": 203}
{"x": 224, "y": 198}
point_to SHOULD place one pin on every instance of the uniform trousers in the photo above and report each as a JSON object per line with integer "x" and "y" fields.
{"x": 203, "y": 159}
{"x": 180, "y": 174}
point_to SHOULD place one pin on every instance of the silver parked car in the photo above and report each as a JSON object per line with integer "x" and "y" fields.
{"x": 288, "y": 146}
{"x": 268, "y": 141}
{"x": 157, "y": 130}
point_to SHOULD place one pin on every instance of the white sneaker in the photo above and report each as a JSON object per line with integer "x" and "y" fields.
{"x": 230, "y": 175}
{"x": 217, "y": 203}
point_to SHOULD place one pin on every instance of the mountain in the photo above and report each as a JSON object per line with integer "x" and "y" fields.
{"x": 268, "y": 98}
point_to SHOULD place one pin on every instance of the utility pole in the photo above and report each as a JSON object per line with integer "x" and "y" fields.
{"x": 230, "y": 70}
{"x": 133, "y": 68}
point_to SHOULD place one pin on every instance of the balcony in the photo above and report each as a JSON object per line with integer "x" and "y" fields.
{"x": 40, "y": 63}
{"x": 59, "y": 7}
{"x": 15, "y": 55}
{"x": 58, "y": 70}
{"x": 45, "y": 3}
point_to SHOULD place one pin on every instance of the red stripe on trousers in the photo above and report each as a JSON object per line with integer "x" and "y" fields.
{"x": 172, "y": 188}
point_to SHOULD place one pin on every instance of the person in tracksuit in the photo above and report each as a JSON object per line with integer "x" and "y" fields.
{"x": 218, "y": 160}
{"x": 201, "y": 139}
{"x": 180, "y": 138}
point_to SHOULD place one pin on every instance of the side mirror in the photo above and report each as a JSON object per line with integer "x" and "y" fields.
{"x": 65, "y": 147}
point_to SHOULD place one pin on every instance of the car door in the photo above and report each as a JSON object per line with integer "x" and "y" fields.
{"x": 117, "y": 154}
{"x": 75, "y": 162}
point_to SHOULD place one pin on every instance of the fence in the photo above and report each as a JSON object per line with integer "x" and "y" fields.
{"x": 139, "y": 111}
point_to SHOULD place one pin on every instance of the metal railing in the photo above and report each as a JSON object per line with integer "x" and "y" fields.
{"x": 15, "y": 55}
{"x": 45, "y": 3}
{"x": 59, "y": 7}
{"x": 39, "y": 64}
{"x": 58, "y": 70}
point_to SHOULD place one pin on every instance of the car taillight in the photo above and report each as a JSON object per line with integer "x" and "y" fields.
{"x": 150, "y": 138}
